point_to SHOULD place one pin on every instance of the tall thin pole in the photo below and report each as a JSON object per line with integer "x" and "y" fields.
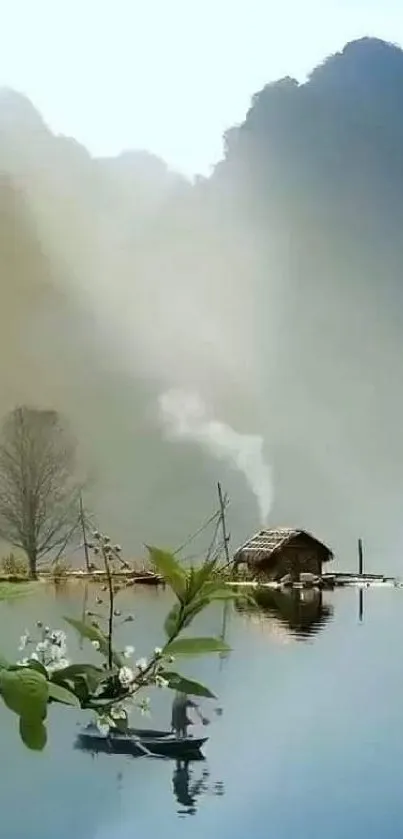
{"x": 82, "y": 520}
{"x": 227, "y": 560}
{"x": 223, "y": 524}
{"x": 360, "y": 604}
{"x": 360, "y": 558}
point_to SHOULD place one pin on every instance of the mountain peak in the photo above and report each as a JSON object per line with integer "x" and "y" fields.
{"x": 364, "y": 61}
{"x": 17, "y": 109}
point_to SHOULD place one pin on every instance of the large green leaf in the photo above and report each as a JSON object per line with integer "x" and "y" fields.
{"x": 189, "y": 686}
{"x": 33, "y": 664}
{"x": 196, "y": 646}
{"x": 61, "y": 694}
{"x": 92, "y": 675}
{"x": 170, "y": 569}
{"x": 81, "y": 679}
{"x": 25, "y": 692}
{"x": 33, "y": 733}
{"x": 93, "y": 633}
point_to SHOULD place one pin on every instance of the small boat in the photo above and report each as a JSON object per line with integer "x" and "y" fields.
{"x": 139, "y": 742}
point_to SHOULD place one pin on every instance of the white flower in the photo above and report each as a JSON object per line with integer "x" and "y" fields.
{"x": 103, "y": 726}
{"x": 58, "y": 637}
{"x": 126, "y": 676}
{"x": 128, "y": 651}
{"x": 118, "y": 713}
{"x": 24, "y": 640}
{"x": 157, "y": 651}
{"x": 56, "y": 653}
{"x": 141, "y": 663}
{"x": 161, "y": 682}
{"x": 96, "y": 644}
{"x": 42, "y": 646}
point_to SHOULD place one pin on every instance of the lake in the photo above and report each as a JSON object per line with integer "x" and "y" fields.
{"x": 309, "y": 743}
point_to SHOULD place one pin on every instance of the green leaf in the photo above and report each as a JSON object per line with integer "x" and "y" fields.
{"x": 33, "y": 733}
{"x": 81, "y": 679}
{"x": 93, "y": 633}
{"x": 171, "y": 625}
{"x": 196, "y": 646}
{"x": 61, "y": 694}
{"x": 170, "y": 569}
{"x": 216, "y": 591}
{"x": 181, "y": 616}
{"x": 92, "y": 675}
{"x": 184, "y": 685}
{"x": 36, "y": 665}
{"x": 201, "y": 576}
{"x": 192, "y": 610}
{"x": 25, "y": 692}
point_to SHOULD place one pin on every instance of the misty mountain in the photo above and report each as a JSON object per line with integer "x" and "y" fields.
{"x": 273, "y": 289}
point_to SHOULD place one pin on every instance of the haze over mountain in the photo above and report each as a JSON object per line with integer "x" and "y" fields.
{"x": 272, "y": 291}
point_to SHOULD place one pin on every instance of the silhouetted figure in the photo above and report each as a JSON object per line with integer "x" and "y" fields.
{"x": 180, "y": 720}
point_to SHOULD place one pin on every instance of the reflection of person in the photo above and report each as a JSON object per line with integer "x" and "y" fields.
{"x": 180, "y": 783}
{"x": 180, "y": 720}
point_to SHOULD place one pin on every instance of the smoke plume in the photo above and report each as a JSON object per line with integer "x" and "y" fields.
{"x": 186, "y": 417}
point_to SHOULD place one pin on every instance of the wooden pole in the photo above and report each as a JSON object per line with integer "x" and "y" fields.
{"x": 360, "y": 604}
{"x": 223, "y": 524}
{"x": 228, "y": 561}
{"x": 360, "y": 558}
{"x": 82, "y": 520}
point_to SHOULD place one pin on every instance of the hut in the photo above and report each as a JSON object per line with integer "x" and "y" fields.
{"x": 273, "y": 554}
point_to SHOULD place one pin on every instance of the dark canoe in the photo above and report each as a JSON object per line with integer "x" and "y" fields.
{"x": 129, "y": 744}
{"x": 148, "y": 733}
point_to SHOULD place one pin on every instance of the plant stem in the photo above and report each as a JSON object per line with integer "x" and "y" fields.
{"x": 111, "y": 606}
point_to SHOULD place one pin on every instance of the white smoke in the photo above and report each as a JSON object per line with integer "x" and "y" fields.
{"x": 185, "y": 417}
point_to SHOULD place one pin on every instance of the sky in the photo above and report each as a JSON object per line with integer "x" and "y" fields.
{"x": 170, "y": 76}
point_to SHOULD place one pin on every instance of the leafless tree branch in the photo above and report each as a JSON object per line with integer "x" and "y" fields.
{"x": 39, "y": 495}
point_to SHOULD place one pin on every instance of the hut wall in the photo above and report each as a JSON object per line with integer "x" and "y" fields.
{"x": 293, "y": 560}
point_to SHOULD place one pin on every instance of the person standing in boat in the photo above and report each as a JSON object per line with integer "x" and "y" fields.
{"x": 180, "y": 720}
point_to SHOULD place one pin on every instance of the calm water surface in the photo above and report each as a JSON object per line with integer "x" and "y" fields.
{"x": 310, "y": 742}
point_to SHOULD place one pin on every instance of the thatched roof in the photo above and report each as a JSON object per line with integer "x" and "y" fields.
{"x": 266, "y": 543}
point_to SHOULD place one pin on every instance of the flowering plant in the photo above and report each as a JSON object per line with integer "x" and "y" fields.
{"x": 45, "y": 675}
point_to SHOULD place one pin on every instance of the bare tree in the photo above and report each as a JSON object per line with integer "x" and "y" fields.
{"x": 39, "y": 497}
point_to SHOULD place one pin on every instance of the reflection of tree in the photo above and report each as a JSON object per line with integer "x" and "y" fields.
{"x": 187, "y": 791}
{"x": 301, "y": 611}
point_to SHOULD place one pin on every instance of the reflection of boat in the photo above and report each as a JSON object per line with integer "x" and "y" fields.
{"x": 140, "y": 742}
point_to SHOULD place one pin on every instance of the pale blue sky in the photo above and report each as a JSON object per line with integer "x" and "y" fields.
{"x": 170, "y": 75}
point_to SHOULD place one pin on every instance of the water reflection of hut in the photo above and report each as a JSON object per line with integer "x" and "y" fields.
{"x": 301, "y": 612}
{"x": 273, "y": 554}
